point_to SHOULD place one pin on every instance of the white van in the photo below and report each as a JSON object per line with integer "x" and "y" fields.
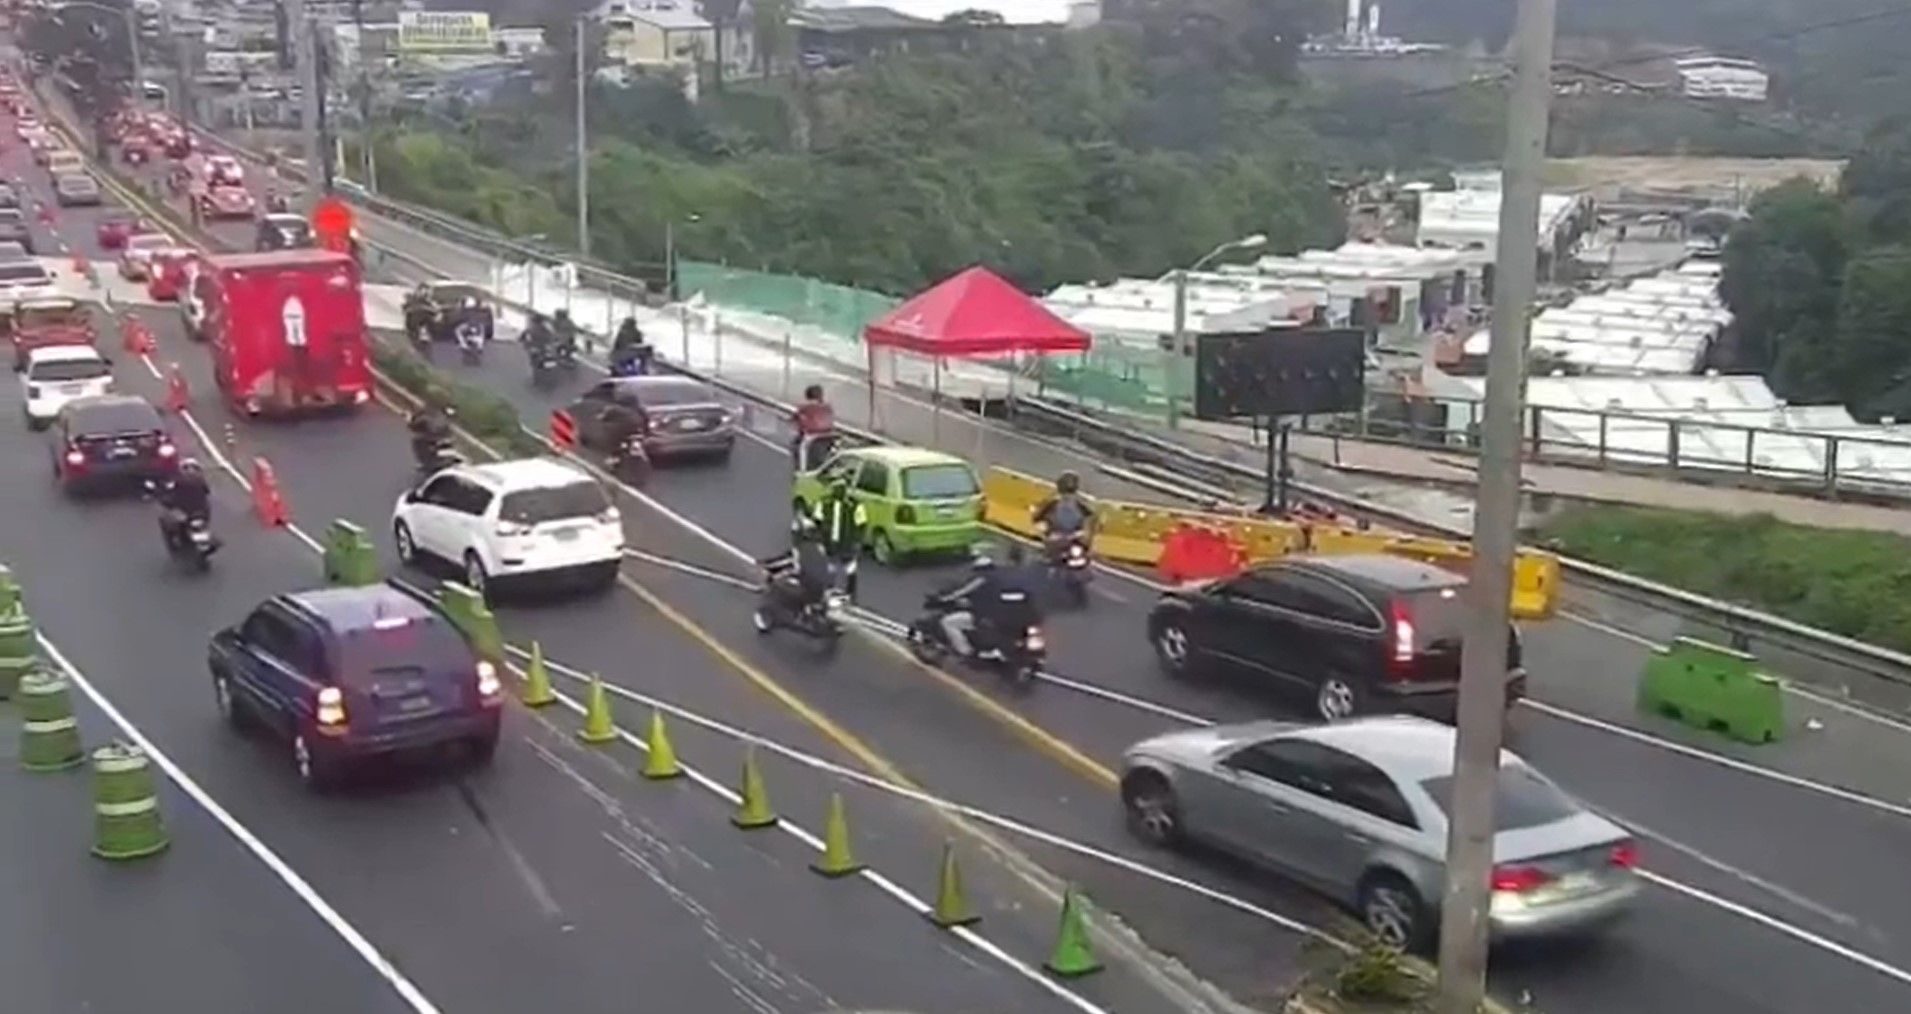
{"x": 57, "y": 374}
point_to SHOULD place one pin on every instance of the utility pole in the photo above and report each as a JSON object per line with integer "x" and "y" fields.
{"x": 1171, "y": 364}
{"x": 583, "y": 150}
{"x": 1482, "y": 708}
{"x": 367, "y": 136}
{"x": 132, "y": 52}
{"x": 305, "y": 59}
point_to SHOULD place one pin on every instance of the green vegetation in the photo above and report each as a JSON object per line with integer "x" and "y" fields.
{"x": 481, "y": 413}
{"x": 1848, "y": 582}
{"x": 1821, "y": 284}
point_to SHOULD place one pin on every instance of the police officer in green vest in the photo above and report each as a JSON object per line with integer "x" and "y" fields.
{"x": 841, "y": 521}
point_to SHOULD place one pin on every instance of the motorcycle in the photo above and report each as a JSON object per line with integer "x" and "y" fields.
{"x": 1069, "y": 565}
{"x": 821, "y": 621}
{"x": 470, "y": 343}
{"x": 188, "y": 540}
{"x": 629, "y": 462}
{"x": 1019, "y": 660}
{"x": 435, "y": 456}
{"x": 629, "y": 364}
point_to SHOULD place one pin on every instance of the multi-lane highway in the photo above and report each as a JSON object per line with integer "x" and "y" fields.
{"x": 1772, "y": 870}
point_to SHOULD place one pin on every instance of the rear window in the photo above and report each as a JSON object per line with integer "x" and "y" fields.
{"x": 414, "y": 650}
{"x": 672, "y": 393}
{"x": 1522, "y": 799}
{"x": 934, "y": 482}
{"x": 114, "y": 417}
{"x": 1439, "y": 617}
{"x": 581, "y": 499}
{"x": 68, "y": 369}
{"x": 22, "y": 271}
{"x": 51, "y": 316}
{"x": 11, "y": 216}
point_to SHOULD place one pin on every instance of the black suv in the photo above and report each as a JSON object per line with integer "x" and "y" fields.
{"x": 344, "y": 674}
{"x": 283, "y": 231}
{"x": 1359, "y": 634}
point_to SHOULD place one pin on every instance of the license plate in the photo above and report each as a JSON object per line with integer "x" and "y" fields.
{"x": 950, "y": 512}
{"x": 690, "y": 424}
{"x": 565, "y": 535}
{"x": 1576, "y": 883}
{"x": 413, "y": 705}
{"x": 73, "y": 389}
{"x": 122, "y": 451}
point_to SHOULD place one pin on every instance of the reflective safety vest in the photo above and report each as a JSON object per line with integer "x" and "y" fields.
{"x": 841, "y": 520}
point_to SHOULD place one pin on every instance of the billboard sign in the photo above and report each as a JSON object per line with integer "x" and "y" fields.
{"x": 444, "y": 31}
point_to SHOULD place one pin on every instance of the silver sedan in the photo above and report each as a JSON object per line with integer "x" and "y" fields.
{"x": 1358, "y": 810}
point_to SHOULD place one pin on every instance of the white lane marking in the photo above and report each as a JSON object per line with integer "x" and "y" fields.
{"x": 1721, "y": 760}
{"x": 1789, "y": 686}
{"x": 410, "y": 993}
{"x": 1776, "y": 890}
{"x": 869, "y": 874}
{"x": 1780, "y": 926}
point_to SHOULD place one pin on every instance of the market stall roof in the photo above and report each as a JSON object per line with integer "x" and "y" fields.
{"x": 974, "y": 313}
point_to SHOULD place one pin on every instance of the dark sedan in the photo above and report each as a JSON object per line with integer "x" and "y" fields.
{"x": 112, "y": 440}
{"x": 678, "y": 417}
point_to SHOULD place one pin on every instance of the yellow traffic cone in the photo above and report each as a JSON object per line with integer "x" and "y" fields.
{"x": 598, "y": 725}
{"x": 537, "y": 680}
{"x": 754, "y": 812}
{"x": 836, "y": 860}
{"x": 952, "y": 908}
{"x": 1072, "y": 957}
{"x": 660, "y": 758}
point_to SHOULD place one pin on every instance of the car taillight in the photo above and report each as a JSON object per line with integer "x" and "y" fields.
{"x": 331, "y": 708}
{"x": 1625, "y": 855}
{"x": 906, "y": 514}
{"x": 489, "y": 689}
{"x": 1033, "y": 639}
{"x": 1400, "y": 641}
{"x": 1519, "y": 879}
{"x": 75, "y": 458}
{"x": 508, "y": 529}
{"x": 361, "y": 397}
{"x": 167, "y": 450}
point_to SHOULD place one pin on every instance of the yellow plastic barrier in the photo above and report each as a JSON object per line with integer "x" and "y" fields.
{"x": 1133, "y": 533}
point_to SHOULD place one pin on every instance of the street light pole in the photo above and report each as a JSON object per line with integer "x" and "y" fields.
{"x": 1174, "y": 363}
{"x": 1482, "y": 708}
{"x": 583, "y": 152}
{"x": 305, "y": 62}
{"x": 129, "y": 18}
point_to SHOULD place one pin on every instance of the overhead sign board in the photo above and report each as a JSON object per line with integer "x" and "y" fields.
{"x": 443, "y": 31}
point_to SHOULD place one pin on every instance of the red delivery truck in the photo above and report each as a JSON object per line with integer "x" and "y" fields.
{"x": 286, "y": 329}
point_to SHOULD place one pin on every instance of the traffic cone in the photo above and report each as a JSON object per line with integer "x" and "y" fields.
{"x": 598, "y": 726}
{"x": 178, "y": 397}
{"x": 49, "y": 734}
{"x": 537, "y": 680}
{"x": 660, "y": 758}
{"x": 1072, "y": 957}
{"x": 754, "y": 811}
{"x": 267, "y": 501}
{"x": 836, "y": 860}
{"x": 952, "y": 906}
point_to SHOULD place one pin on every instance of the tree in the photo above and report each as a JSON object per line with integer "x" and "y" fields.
{"x": 1869, "y": 362}
{"x": 1783, "y": 269}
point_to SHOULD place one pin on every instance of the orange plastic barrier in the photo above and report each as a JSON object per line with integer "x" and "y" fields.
{"x": 178, "y": 397}
{"x": 267, "y": 501}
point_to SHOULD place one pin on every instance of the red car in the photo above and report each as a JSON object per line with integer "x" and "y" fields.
{"x": 114, "y": 229}
{"x": 166, "y": 274}
{"x": 228, "y": 202}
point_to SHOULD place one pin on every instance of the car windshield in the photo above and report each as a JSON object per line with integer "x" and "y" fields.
{"x": 22, "y": 271}
{"x": 401, "y": 652}
{"x": 1521, "y": 798}
{"x": 114, "y": 417}
{"x": 581, "y": 499}
{"x": 68, "y": 369}
{"x": 935, "y": 482}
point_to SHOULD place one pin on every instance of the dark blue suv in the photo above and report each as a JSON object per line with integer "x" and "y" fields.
{"x": 344, "y": 674}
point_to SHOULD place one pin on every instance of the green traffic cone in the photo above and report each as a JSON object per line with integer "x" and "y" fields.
{"x": 537, "y": 680}
{"x": 1072, "y": 957}
{"x": 836, "y": 860}
{"x": 660, "y": 758}
{"x": 952, "y": 907}
{"x": 598, "y": 725}
{"x": 754, "y": 811}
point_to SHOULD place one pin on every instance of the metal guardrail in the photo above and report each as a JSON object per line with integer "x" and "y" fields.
{"x": 1757, "y": 628}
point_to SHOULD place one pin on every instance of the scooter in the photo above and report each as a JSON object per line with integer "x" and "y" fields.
{"x": 1018, "y": 661}
{"x": 1069, "y": 565}
{"x": 190, "y": 542}
{"x": 629, "y": 462}
{"x": 821, "y": 621}
{"x": 435, "y": 457}
{"x": 549, "y": 359}
{"x": 470, "y": 343}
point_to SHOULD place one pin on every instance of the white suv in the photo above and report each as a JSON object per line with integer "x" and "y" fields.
{"x": 513, "y": 522}
{"x": 57, "y": 374}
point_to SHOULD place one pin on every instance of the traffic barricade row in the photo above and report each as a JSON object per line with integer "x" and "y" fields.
{"x": 1136, "y": 533}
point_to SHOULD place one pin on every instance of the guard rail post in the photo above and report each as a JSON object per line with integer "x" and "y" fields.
{"x": 1604, "y": 420}
{"x": 1831, "y": 465}
{"x": 1672, "y": 445}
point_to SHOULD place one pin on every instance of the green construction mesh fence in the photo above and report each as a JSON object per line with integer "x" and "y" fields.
{"x": 837, "y": 310}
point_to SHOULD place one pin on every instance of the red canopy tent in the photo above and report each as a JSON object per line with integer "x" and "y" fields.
{"x": 969, "y": 315}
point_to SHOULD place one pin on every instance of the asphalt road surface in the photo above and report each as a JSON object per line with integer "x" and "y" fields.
{"x": 1774, "y": 887}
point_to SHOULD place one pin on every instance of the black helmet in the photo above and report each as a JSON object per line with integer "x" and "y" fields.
{"x": 814, "y": 392}
{"x": 1068, "y": 482}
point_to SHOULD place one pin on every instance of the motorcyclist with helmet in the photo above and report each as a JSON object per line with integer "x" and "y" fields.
{"x": 184, "y": 498}
{"x": 629, "y": 353}
{"x": 430, "y": 428}
{"x": 565, "y": 331}
{"x": 1066, "y": 513}
{"x": 420, "y": 312}
{"x": 985, "y": 606}
{"x": 801, "y": 576}
{"x": 537, "y": 335}
{"x": 841, "y": 521}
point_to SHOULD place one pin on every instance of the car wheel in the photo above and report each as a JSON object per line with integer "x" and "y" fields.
{"x": 1172, "y": 649}
{"x": 407, "y": 549}
{"x": 1154, "y": 815}
{"x": 1391, "y": 910}
{"x": 884, "y": 550}
{"x": 229, "y": 708}
{"x": 317, "y": 773}
{"x": 760, "y": 619}
{"x": 475, "y": 577}
{"x": 1337, "y": 699}
{"x": 483, "y": 749}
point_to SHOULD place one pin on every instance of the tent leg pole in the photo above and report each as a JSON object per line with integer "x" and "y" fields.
{"x": 871, "y": 350}
{"x": 935, "y": 402}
